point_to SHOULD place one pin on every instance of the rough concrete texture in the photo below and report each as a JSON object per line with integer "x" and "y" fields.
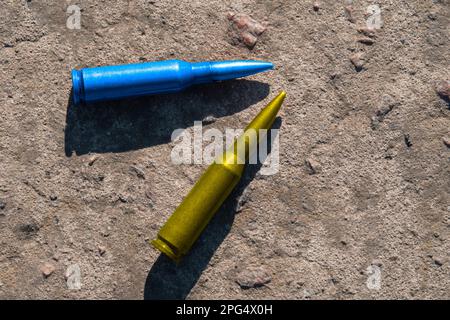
{"x": 364, "y": 179}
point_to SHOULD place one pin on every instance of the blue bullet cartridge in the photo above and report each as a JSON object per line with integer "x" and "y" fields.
{"x": 139, "y": 79}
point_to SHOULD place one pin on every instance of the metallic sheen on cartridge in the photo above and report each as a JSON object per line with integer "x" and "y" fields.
{"x": 186, "y": 224}
{"x": 139, "y": 79}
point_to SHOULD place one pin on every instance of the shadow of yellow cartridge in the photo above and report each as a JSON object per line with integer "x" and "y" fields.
{"x": 186, "y": 224}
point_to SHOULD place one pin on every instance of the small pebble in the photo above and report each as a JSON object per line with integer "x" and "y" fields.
{"x": 366, "y": 40}
{"x": 29, "y": 230}
{"x": 316, "y": 6}
{"x": 209, "y": 119}
{"x": 438, "y": 261}
{"x": 307, "y": 294}
{"x": 349, "y": 12}
{"x": 245, "y": 29}
{"x": 312, "y": 166}
{"x": 357, "y": 61}
{"x": 387, "y": 104}
{"x": 101, "y": 250}
{"x": 92, "y": 159}
{"x": 443, "y": 89}
{"x": 242, "y": 200}
{"x": 446, "y": 141}
{"x": 369, "y": 32}
{"x": 105, "y": 234}
{"x": 253, "y": 278}
{"x": 47, "y": 269}
{"x": 249, "y": 39}
{"x": 2, "y": 205}
{"x": 432, "y": 16}
{"x": 408, "y": 141}
{"x": 138, "y": 172}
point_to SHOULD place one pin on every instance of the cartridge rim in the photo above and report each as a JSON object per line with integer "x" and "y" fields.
{"x": 163, "y": 246}
{"x": 78, "y": 86}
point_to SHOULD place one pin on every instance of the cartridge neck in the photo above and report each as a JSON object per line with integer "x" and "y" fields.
{"x": 201, "y": 72}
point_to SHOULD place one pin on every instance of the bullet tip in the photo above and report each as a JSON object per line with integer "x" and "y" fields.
{"x": 280, "y": 97}
{"x": 270, "y": 65}
{"x": 232, "y": 69}
{"x": 262, "y": 66}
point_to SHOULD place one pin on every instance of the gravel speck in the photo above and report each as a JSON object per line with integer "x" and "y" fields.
{"x": 408, "y": 141}
{"x": 316, "y": 6}
{"x": 101, "y": 250}
{"x": 446, "y": 141}
{"x": 358, "y": 61}
{"x": 313, "y": 166}
{"x": 349, "y": 12}
{"x": 242, "y": 200}
{"x": 209, "y": 119}
{"x": 92, "y": 159}
{"x": 138, "y": 172}
{"x": 443, "y": 90}
{"x": 47, "y": 269}
{"x": 366, "y": 40}
{"x": 369, "y": 32}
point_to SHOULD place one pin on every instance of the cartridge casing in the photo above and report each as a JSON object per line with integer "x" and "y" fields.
{"x": 188, "y": 221}
{"x": 139, "y": 79}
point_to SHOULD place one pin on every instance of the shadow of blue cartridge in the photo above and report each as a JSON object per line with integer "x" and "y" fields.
{"x": 139, "y": 79}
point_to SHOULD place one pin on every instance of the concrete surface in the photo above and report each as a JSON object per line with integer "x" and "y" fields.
{"x": 363, "y": 187}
